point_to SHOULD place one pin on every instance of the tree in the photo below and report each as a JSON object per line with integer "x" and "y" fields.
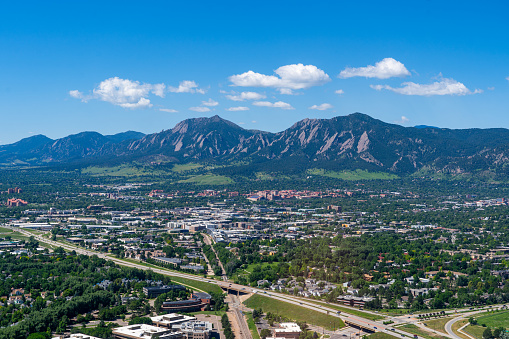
{"x": 487, "y": 334}
{"x": 264, "y": 333}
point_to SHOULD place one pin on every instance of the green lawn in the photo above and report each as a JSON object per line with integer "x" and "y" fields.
{"x": 202, "y": 285}
{"x": 208, "y": 179}
{"x": 475, "y": 331}
{"x": 438, "y": 324}
{"x": 411, "y": 328}
{"x": 345, "y": 309}
{"x": 5, "y": 230}
{"x": 252, "y": 326}
{"x": 380, "y": 335}
{"x": 353, "y": 175}
{"x": 494, "y": 320}
{"x": 293, "y": 312}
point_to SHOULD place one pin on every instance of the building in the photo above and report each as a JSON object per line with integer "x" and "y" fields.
{"x": 154, "y": 291}
{"x": 353, "y": 301}
{"x": 16, "y": 202}
{"x": 171, "y": 320}
{"x": 142, "y": 331}
{"x": 190, "y": 305}
{"x": 75, "y": 336}
{"x": 196, "y": 329}
{"x": 287, "y": 330}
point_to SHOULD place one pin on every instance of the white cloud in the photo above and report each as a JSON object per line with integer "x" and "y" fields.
{"x": 76, "y": 94}
{"x": 339, "y": 91}
{"x": 238, "y": 108}
{"x": 277, "y": 104}
{"x": 187, "y": 86}
{"x": 507, "y": 78}
{"x": 168, "y": 110}
{"x": 122, "y": 92}
{"x": 442, "y": 87}
{"x": 387, "y": 68}
{"x": 321, "y": 107}
{"x": 286, "y": 91}
{"x": 246, "y": 96}
{"x": 200, "y": 109}
{"x": 210, "y": 103}
{"x": 404, "y": 120}
{"x": 295, "y": 76}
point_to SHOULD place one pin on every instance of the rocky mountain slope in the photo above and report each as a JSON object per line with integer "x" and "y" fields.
{"x": 344, "y": 142}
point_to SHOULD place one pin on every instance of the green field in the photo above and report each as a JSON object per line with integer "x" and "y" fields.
{"x": 5, "y": 230}
{"x": 179, "y": 168}
{"x": 293, "y": 312}
{"x": 120, "y": 171}
{"x": 345, "y": 309}
{"x": 252, "y": 326}
{"x": 498, "y": 319}
{"x": 380, "y": 335}
{"x": 475, "y": 331}
{"x": 353, "y": 175}
{"x": 207, "y": 179}
{"x": 202, "y": 285}
{"x": 411, "y": 328}
{"x": 438, "y": 324}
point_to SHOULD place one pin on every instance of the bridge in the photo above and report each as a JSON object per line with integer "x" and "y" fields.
{"x": 359, "y": 326}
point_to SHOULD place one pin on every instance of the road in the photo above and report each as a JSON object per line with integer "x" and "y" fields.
{"x": 371, "y": 324}
{"x": 236, "y": 308}
{"x": 208, "y": 241}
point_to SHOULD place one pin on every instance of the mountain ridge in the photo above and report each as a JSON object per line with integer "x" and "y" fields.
{"x": 355, "y": 141}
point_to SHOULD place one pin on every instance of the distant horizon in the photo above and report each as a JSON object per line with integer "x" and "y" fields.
{"x": 65, "y": 69}
{"x": 249, "y": 129}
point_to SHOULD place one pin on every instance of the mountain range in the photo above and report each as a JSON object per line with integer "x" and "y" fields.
{"x": 355, "y": 141}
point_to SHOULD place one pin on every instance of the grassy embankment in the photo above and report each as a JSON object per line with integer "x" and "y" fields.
{"x": 294, "y": 312}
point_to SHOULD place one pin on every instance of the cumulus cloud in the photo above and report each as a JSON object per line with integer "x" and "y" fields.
{"x": 442, "y": 87}
{"x": 133, "y": 94}
{"x": 286, "y": 91}
{"x": 277, "y": 104}
{"x": 76, "y": 94}
{"x": 404, "y": 120}
{"x": 200, "y": 109}
{"x": 387, "y": 68}
{"x": 238, "y": 108}
{"x": 339, "y": 91}
{"x": 295, "y": 76}
{"x": 168, "y": 110}
{"x": 187, "y": 86}
{"x": 210, "y": 103}
{"x": 321, "y": 107}
{"x": 122, "y": 92}
{"x": 245, "y": 96}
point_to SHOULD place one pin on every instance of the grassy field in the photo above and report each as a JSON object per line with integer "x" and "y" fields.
{"x": 120, "y": 171}
{"x": 457, "y": 325}
{"x": 5, "y": 230}
{"x": 380, "y": 335}
{"x": 179, "y": 168}
{"x": 207, "y": 179}
{"x": 475, "y": 331}
{"x": 252, "y": 326}
{"x": 345, "y": 309}
{"x": 437, "y": 324}
{"x": 202, "y": 285}
{"x": 411, "y": 328}
{"x": 494, "y": 320}
{"x": 353, "y": 175}
{"x": 293, "y": 312}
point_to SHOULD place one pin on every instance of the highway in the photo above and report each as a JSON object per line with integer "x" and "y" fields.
{"x": 302, "y": 302}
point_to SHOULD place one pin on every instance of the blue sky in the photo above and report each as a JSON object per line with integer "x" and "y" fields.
{"x": 113, "y": 66}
